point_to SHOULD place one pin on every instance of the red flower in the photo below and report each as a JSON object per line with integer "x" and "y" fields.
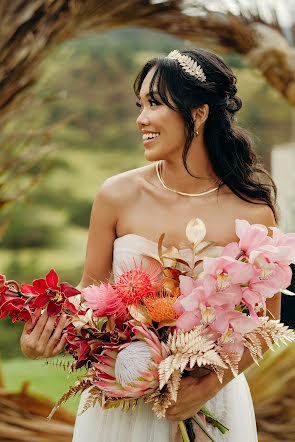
{"x": 17, "y": 308}
{"x": 48, "y": 291}
{"x": 3, "y": 284}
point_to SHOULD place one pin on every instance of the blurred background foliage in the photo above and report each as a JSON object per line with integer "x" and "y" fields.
{"x": 89, "y": 82}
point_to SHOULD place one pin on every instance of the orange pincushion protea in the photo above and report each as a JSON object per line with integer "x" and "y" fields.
{"x": 160, "y": 305}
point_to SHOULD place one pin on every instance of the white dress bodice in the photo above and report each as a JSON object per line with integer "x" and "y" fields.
{"x": 232, "y": 404}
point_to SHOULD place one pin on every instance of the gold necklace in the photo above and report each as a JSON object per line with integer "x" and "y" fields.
{"x": 178, "y": 192}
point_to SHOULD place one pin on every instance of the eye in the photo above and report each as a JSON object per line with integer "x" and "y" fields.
{"x": 153, "y": 102}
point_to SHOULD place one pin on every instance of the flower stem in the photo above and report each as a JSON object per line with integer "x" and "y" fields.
{"x": 214, "y": 420}
{"x": 183, "y": 431}
{"x": 202, "y": 428}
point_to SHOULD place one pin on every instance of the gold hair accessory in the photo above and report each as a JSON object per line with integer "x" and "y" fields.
{"x": 176, "y": 191}
{"x": 188, "y": 65}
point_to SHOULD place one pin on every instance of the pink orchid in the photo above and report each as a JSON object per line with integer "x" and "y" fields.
{"x": 226, "y": 271}
{"x": 232, "y": 325}
{"x": 270, "y": 278}
{"x": 251, "y": 236}
{"x": 103, "y": 300}
{"x": 201, "y": 304}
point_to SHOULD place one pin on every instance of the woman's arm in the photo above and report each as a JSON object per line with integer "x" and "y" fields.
{"x": 195, "y": 392}
{"x": 46, "y": 339}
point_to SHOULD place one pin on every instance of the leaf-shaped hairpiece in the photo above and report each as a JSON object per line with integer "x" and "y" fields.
{"x": 188, "y": 65}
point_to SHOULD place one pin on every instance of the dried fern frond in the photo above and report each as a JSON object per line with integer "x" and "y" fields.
{"x": 123, "y": 404}
{"x": 66, "y": 366}
{"x": 95, "y": 395}
{"x": 191, "y": 348}
{"x": 80, "y": 386}
{"x": 272, "y": 331}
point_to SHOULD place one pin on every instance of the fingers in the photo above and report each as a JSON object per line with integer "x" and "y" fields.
{"x": 47, "y": 331}
{"x": 39, "y": 326}
{"x": 56, "y": 337}
{"x": 60, "y": 346}
{"x": 45, "y": 339}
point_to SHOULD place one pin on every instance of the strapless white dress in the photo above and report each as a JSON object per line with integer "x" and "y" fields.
{"x": 232, "y": 404}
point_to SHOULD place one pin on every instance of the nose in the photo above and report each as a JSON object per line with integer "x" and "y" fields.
{"x": 143, "y": 119}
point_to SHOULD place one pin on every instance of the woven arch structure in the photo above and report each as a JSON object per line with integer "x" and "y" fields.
{"x": 29, "y": 29}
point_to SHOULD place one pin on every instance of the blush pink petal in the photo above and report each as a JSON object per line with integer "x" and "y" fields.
{"x": 187, "y": 284}
{"x": 232, "y": 249}
{"x": 221, "y": 322}
{"x": 251, "y": 235}
{"x": 187, "y": 321}
{"x": 240, "y": 272}
{"x": 178, "y": 307}
{"x": 192, "y": 301}
{"x": 242, "y": 323}
{"x": 236, "y": 346}
{"x": 232, "y": 296}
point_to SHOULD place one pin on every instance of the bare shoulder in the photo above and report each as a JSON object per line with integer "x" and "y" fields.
{"x": 254, "y": 211}
{"x": 120, "y": 188}
{"x": 231, "y": 208}
{"x": 260, "y": 213}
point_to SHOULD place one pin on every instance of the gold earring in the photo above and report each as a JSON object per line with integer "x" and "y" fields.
{"x": 196, "y": 133}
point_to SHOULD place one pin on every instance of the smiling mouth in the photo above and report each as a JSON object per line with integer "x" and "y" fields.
{"x": 150, "y": 136}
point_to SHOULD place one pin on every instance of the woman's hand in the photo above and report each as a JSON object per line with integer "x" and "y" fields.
{"x": 193, "y": 393}
{"x": 44, "y": 339}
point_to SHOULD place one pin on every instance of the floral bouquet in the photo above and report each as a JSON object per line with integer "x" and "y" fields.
{"x": 168, "y": 322}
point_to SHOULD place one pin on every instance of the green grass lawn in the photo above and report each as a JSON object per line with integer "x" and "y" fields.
{"x": 44, "y": 379}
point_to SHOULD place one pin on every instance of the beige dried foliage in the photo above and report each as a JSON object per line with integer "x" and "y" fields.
{"x": 272, "y": 386}
{"x": 94, "y": 396}
{"x": 188, "y": 348}
{"x": 163, "y": 398}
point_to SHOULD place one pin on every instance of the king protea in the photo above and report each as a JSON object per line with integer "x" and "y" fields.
{"x": 118, "y": 378}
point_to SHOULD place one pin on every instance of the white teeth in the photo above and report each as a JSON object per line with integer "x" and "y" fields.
{"x": 150, "y": 135}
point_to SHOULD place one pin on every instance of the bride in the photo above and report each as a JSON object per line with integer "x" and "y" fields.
{"x": 202, "y": 165}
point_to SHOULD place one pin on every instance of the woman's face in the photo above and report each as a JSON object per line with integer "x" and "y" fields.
{"x": 162, "y": 128}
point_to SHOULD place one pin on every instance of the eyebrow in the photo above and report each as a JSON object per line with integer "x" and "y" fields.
{"x": 149, "y": 94}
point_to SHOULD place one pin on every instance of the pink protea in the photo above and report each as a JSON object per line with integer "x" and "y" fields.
{"x": 134, "y": 285}
{"x": 103, "y": 300}
{"x": 130, "y": 370}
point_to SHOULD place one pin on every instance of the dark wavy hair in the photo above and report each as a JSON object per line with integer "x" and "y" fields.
{"x": 229, "y": 147}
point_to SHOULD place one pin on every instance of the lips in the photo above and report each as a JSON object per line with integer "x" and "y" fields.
{"x": 150, "y": 135}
